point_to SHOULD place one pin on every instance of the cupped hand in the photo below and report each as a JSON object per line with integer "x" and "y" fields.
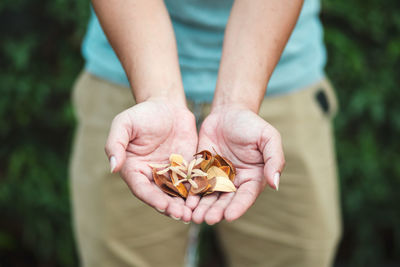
{"x": 148, "y": 133}
{"x": 255, "y": 149}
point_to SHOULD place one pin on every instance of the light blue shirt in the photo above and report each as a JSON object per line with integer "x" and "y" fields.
{"x": 199, "y": 28}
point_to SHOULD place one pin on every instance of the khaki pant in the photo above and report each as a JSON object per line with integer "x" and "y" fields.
{"x": 298, "y": 226}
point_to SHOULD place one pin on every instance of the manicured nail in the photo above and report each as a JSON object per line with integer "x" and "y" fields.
{"x": 160, "y": 210}
{"x": 175, "y": 218}
{"x": 113, "y": 163}
{"x": 186, "y": 222}
{"x": 276, "y": 180}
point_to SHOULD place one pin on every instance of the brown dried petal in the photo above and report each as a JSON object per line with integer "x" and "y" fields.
{"x": 169, "y": 191}
{"x": 158, "y": 179}
{"x": 226, "y": 169}
{"x": 211, "y": 185}
{"x": 205, "y": 154}
{"x": 180, "y": 187}
{"x": 205, "y": 165}
{"x": 214, "y": 171}
{"x": 208, "y": 159}
{"x": 165, "y": 185}
{"x": 227, "y": 162}
{"x": 222, "y": 184}
{"x": 192, "y": 183}
{"x": 202, "y": 185}
{"x": 215, "y": 162}
{"x": 176, "y": 160}
{"x": 182, "y": 190}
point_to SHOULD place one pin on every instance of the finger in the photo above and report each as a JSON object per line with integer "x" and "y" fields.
{"x": 244, "y": 197}
{"x": 274, "y": 158}
{"x": 187, "y": 215}
{"x": 147, "y": 192}
{"x": 216, "y": 212}
{"x": 192, "y": 201}
{"x": 201, "y": 209}
{"x": 118, "y": 140}
{"x": 175, "y": 208}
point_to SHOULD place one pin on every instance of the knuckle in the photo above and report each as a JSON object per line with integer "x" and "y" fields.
{"x": 106, "y": 150}
{"x": 277, "y": 134}
{"x": 118, "y": 118}
{"x": 283, "y": 164}
{"x": 108, "y": 147}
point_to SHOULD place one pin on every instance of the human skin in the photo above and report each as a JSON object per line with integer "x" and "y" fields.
{"x": 161, "y": 123}
{"x": 255, "y": 37}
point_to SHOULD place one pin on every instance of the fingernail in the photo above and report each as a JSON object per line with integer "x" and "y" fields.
{"x": 113, "y": 163}
{"x": 276, "y": 180}
{"x": 160, "y": 210}
{"x": 186, "y": 222}
{"x": 175, "y": 218}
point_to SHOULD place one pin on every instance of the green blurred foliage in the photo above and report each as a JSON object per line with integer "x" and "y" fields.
{"x": 363, "y": 40}
{"x": 40, "y": 58}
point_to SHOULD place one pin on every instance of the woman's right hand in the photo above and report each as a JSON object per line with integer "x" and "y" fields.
{"x": 148, "y": 133}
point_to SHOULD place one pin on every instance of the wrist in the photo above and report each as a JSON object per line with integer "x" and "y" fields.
{"x": 173, "y": 96}
{"x": 228, "y": 99}
{"x": 174, "y": 101}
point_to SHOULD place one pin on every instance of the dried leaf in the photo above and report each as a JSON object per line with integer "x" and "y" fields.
{"x": 215, "y": 162}
{"x": 227, "y": 162}
{"x": 165, "y": 185}
{"x": 192, "y": 183}
{"x": 202, "y": 185}
{"x": 226, "y": 169}
{"x": 158, "y": 179}
{"x": 176, "y": 160}
{"x": 214, "y": 171}
{"x": 211, "y": 183}
{"x": 202, "y": 176}
{"x": 222, "y": 184}
{"x": 208, "y": 159}
{"x": 182, "y": 190}
{"x": 205, "y": 154}
{"x": 169, "y": 191}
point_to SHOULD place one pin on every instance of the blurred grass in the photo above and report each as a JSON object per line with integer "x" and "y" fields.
{"x": 40, "y": 58}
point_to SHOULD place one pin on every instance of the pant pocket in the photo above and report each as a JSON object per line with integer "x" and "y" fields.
{"x": 325, "y": 98}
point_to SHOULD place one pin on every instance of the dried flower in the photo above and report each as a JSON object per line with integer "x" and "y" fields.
{"x": 204, "y": 175}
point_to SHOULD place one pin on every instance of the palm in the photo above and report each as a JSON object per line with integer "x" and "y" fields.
{"x": 155, "y": 130}
{"x": 231, "y": 135}
{"x": 159, "y": 131}
{"x": 245, "y": 139}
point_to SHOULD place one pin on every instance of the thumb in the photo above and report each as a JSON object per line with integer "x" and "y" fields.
{"x": 118, "y": 139}
{"x": 273, "y": 156}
